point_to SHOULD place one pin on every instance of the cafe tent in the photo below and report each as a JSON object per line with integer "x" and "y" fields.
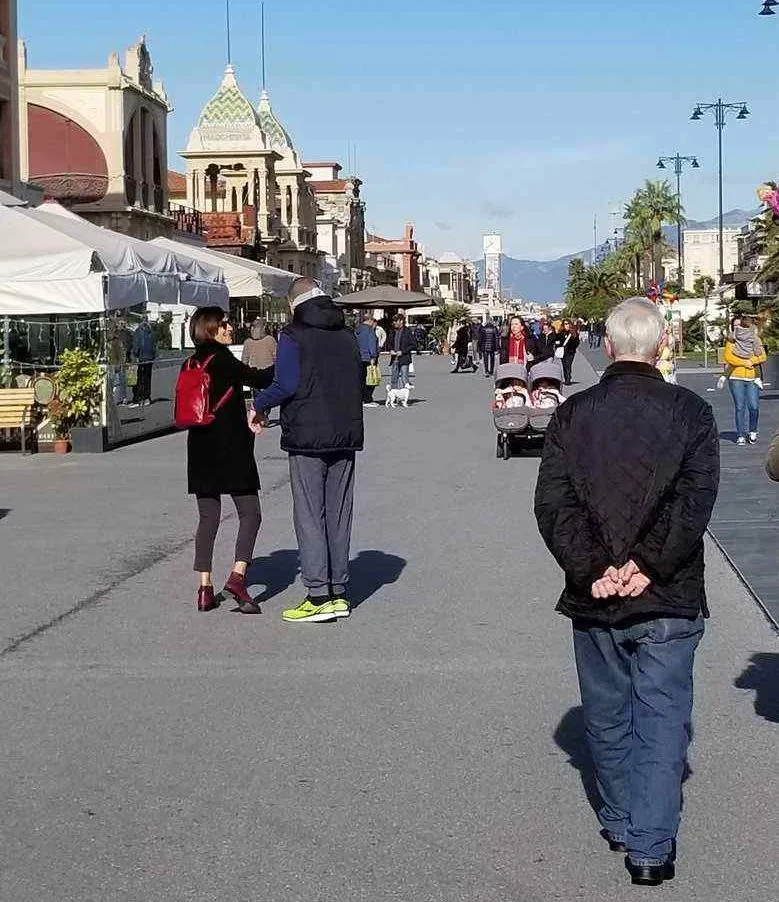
{"x": 245, "y": 278}
{"x": 385, "y": 297}
{"x": 44, "y": 272}
{"x": 143, "y": 271}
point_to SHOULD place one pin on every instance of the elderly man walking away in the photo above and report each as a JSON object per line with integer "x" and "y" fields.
{"x": 318, "y": 384}
{"x": 627, "y": 484}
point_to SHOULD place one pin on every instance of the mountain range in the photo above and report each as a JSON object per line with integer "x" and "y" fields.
{"x": 544, "y": 281}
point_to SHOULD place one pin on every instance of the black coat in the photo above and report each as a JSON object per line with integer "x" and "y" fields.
{"x": 325, "y": 415}
{"x": 408, "y": 343}
{"x": 630, "y": 470}
{"x": 489, "y": 338}
{"x": 569, "y": 345}
{"x": 220, "y": 457}
{"x": 542, "y": 347}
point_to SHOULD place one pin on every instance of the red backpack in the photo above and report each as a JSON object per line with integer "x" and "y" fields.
{"x": 193, "y": 395}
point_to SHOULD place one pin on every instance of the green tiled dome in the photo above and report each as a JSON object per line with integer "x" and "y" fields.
{"x": 277, "y": 135}
{"x": 228, "y": 110}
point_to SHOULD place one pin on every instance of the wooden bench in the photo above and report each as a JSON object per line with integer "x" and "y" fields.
{"x": 17, "y": 406}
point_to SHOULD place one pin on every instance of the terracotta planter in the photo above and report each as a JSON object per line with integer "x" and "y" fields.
{"x": 61, "y": 445}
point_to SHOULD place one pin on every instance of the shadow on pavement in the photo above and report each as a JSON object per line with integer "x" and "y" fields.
{"x": 571, "y": 738}
{"x": 369, "y": 572}
{"x": 277, "y": 572}
{"x": 4, "y": 512}
{"x": 762, "y": 675}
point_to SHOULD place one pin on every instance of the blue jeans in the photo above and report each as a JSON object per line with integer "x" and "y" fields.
{"x": 399, "y": 376}
{"x": 636, "y": 687}
{"x": 746, "y": 397}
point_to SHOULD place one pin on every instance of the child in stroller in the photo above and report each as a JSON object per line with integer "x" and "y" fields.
{"x": 525, "y": 414}
{"x": 511, "y": 389}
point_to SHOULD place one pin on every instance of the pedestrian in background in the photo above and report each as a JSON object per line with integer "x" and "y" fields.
{"x": 318, "y": 384}
{"x": 569, "y": 342}
{"x": 145, "y": 353}
{"x": 513, "y": 348}
{"x": 403, "y": 344}
{"x": 461, "y": 347}
{"x": 368, "y": 344}
{"x": 259, "y": 349}
{"x": 220, "y": 458}
{"x": 743, "y": 375}
{"x": 631, "y": 548}
{"x": 490, "y": 339}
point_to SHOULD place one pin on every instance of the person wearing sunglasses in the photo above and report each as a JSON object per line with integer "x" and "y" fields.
{"x": 220, "y": 458}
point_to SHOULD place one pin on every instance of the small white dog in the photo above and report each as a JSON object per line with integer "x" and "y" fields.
{"x": 397, "y": 397}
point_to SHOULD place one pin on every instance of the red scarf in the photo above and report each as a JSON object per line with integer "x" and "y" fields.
{"x": 516, "y": 349}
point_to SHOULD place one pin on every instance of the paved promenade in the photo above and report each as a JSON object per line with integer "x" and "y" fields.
{"x": 429, "y": 749}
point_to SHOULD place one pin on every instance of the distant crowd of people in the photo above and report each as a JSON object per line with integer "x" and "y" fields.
{"x": 514, "y": 341}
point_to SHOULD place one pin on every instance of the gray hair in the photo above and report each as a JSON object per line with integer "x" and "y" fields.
{"x": 635, "y": 328}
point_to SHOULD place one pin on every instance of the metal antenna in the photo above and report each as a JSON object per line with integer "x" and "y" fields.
{"x": 262, "y": 38}
{"x": 229, "y": 51}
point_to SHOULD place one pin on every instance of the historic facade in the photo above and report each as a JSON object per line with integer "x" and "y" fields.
{"x": 246, "y": 179}
{"x": 406, "y": 254}
{"x": 340, "y": 225}
{"x": 11, "y": 179}
{"x": 457, "y": 280}
{"x": 96, "y": 141}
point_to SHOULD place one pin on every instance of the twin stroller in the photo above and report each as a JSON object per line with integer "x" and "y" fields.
{"x": 525, "y": 405}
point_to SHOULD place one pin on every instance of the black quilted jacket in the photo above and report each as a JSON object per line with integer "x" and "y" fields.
{"x": 630, "y": 470}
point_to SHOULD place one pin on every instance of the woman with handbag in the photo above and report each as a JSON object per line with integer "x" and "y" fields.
{"x": 368, "y": 343}
{"x": 566, "y": 349}
{"x": 220, "y": 457}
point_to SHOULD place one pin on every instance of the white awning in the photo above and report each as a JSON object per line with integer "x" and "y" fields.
{"x": 148, "y": 272}
{"x": 44, "y": 272}
{"x": 244, "y": 278}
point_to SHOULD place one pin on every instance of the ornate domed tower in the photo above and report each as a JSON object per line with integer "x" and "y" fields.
{"x": 231, "y": 175}
{"x": 295, "y": 200}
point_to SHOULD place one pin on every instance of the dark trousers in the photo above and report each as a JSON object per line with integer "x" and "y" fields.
{"x": 142, "y": 389}
{"x": 568, "y": 368}
{"x": 489, "y": 362}
{"x": 322, "y": 509}
{"x": 636, "y": 687}
{"x": 367, "y": 390}
{"x": 210, "y": 510}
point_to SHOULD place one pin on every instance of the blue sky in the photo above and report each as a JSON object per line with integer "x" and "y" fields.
{"x": 523, "y": 117}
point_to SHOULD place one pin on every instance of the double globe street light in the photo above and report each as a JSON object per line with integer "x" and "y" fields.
{"x": 720, "y": 110}
{"x": 679, "y": 164}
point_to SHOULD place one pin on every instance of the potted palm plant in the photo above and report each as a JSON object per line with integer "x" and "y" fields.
{"x": 75, "y": 412}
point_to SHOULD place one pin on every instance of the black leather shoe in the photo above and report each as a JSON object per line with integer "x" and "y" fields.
{"x": 650, "y": 874}
{"x": 614, "y": 845}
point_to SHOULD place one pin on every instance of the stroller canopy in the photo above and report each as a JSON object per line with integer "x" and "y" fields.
{"x": 547, "y": 369}
{"x": 510, "y": 371}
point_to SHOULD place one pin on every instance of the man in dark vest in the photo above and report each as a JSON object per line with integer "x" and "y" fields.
{"x": 318, "y": 385}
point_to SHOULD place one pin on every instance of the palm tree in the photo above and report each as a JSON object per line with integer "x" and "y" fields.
{"x": 649, "y": 210}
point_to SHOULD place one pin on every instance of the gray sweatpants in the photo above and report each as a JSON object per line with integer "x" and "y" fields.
{"x": 322, "y": 504}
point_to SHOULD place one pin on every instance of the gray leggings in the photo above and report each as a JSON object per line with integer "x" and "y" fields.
{"x": 210, "y": 510}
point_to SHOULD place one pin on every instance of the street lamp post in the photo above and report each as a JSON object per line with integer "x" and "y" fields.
{"x": 720, "y": 109}
{"x": 679, "y": 163}
{"x": 768, "y": 8}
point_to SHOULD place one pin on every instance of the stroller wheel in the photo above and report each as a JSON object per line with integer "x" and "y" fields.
{"x": 507, "y": 448}
{"x": 499, "y": 452}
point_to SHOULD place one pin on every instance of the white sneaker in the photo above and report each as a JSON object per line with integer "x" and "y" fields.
{"x": 753, "y": 437}
{"x": 741, "y": 440}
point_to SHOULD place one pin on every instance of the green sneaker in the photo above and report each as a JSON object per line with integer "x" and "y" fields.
{"x": 341, "y": 607}
{"x": 309, "y": 611}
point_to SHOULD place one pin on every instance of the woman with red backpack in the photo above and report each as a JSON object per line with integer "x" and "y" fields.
{"x": 220, "y": 450}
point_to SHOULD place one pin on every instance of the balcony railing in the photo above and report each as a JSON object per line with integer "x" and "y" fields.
{"x": 185, "y": 219}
